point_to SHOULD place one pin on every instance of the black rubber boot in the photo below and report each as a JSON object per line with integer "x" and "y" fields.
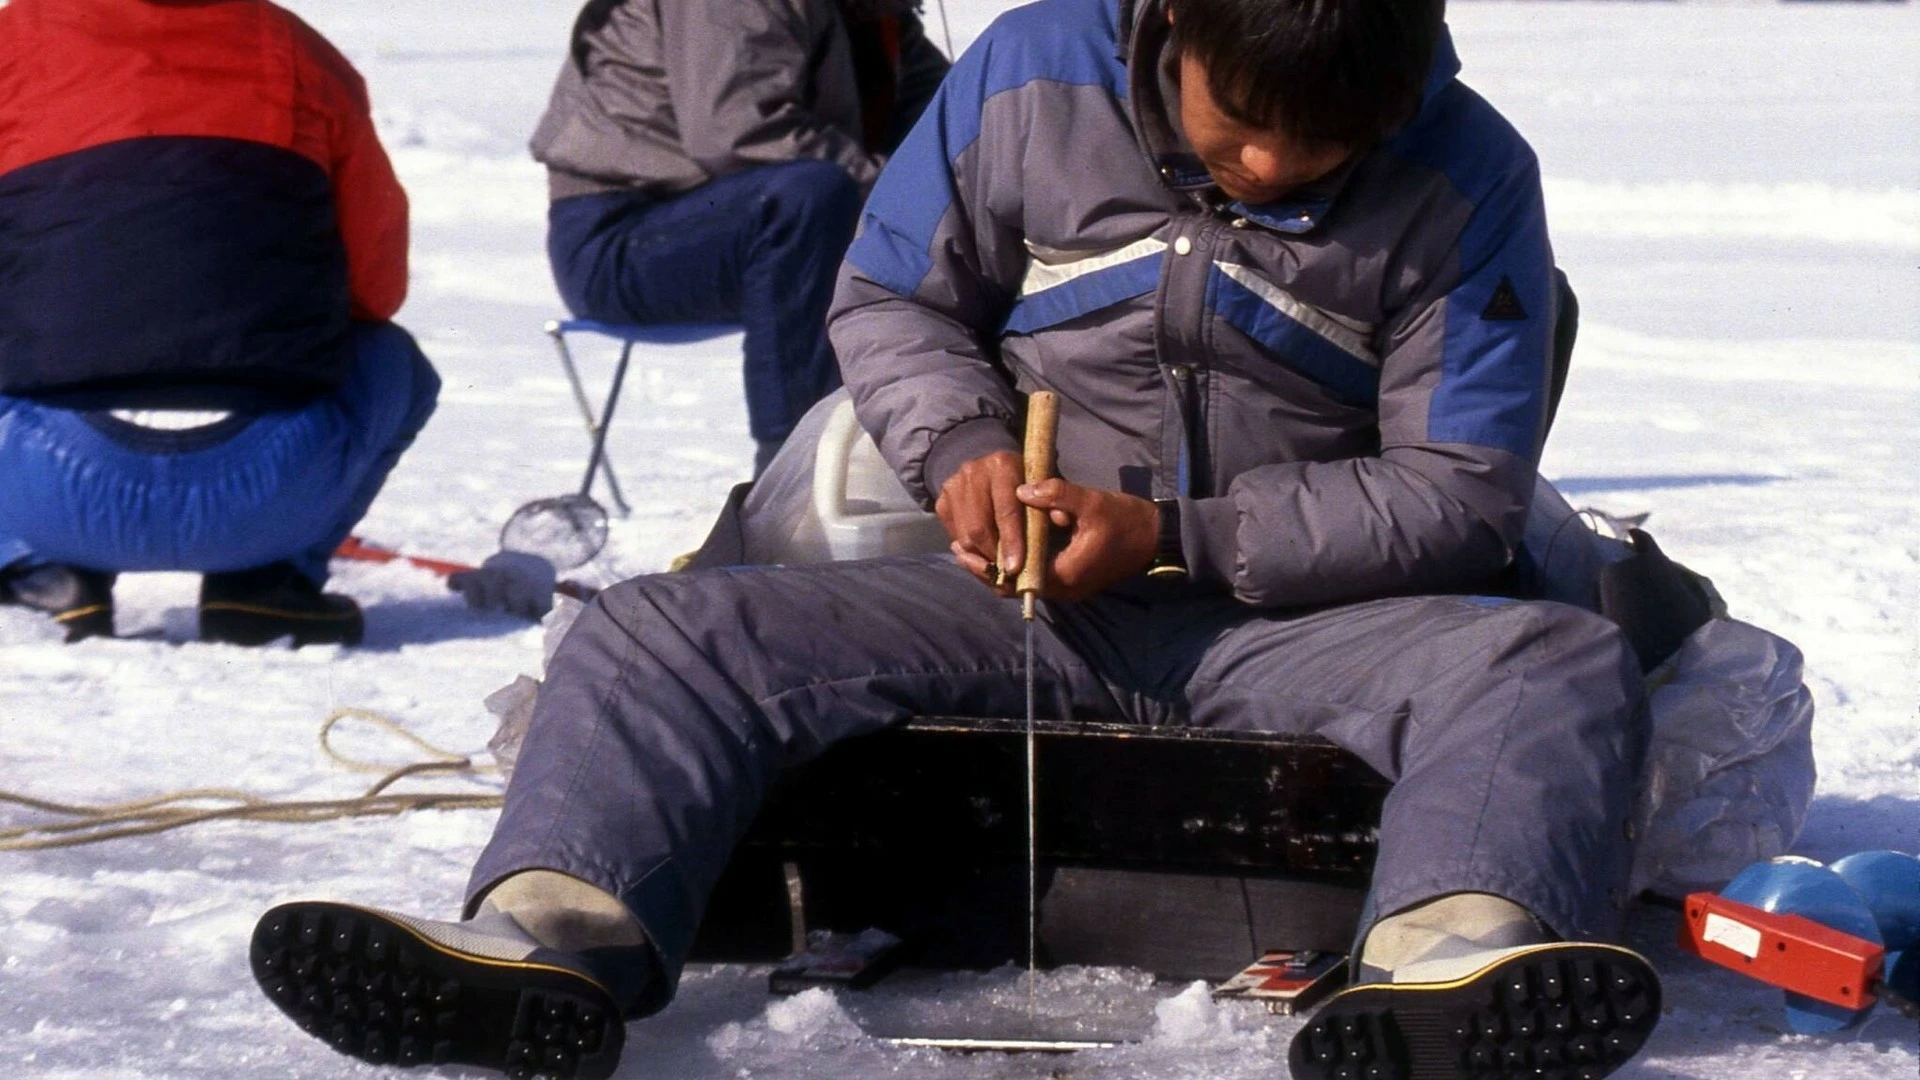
{"x": 254, "y": 607}
{"x": 395, "y": 990}
{"x": 1563, "y": 1011}
{"x": 79, "y": 600}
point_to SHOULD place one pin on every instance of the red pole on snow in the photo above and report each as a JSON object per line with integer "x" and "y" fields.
{"x": 357, "y": 550}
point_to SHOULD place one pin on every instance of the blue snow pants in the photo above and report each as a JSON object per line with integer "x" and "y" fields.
{"x": 1511, "y": 730}
{"x": 86, "y": 490}
{"x": 759, "y": 247}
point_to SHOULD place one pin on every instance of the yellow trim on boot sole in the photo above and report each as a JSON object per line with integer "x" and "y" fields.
{"x": 278, "y": 613}
{"x": 1478, "y": 973}
{"x": 475, "y": 958}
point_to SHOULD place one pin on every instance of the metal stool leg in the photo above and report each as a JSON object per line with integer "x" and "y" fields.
{"x": 596, "y": 427}
{"x": 600, "y": 436}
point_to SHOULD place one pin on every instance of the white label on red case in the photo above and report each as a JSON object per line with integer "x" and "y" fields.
{"x": 1737, "y": 936}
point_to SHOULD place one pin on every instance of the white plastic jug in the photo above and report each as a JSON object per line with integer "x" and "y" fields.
{"x": 863, "y": 510}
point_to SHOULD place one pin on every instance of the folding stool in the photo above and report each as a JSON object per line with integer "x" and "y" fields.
{"x": 628, "y": 336}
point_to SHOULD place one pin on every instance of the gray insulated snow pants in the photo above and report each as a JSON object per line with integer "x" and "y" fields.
{"x": 1510, "y": 729}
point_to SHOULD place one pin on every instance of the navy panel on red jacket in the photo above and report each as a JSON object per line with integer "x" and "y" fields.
{"x": 193, "y": 203}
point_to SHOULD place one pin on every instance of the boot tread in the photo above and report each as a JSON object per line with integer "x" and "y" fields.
{"x": 375, "y": 988}
{"x": 1558, "y": 1012}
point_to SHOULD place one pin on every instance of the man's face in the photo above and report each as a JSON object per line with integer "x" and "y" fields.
{"x": 1253, "y": 165}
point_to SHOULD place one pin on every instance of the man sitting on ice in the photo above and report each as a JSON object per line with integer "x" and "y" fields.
{"x": 203, "y": 242}
{"x": 707, "y": 160}
{"x": 1291, "y": 283}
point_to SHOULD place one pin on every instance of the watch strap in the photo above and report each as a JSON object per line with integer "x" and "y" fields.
{"x": 1169, "y": 558}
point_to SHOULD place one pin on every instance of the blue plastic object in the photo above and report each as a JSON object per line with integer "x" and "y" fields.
{"x": 1795, "y": 886}
{"x": 1873, "y": 895}
{"x": 1889, "y": 883}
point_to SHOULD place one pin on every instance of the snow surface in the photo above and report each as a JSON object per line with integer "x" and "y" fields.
{"x": 1734, "y": 189}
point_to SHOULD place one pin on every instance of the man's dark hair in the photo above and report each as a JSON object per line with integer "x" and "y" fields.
{"x": 1340, "y": 72}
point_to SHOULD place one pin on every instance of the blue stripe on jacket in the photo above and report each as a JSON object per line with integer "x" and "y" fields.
{"x": 1494, "y": 372}
{"x": 1347, "y": 378}
{"x": 1085, "y": 294}
{"x": 1047, "y": 41}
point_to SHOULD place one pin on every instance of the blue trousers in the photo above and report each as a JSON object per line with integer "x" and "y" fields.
{"x": 81, "y": 489}
{"x": 759, "y": 247}
{"x": 1511, "y": 730}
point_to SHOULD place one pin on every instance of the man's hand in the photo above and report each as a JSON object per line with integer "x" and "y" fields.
{"x": 985, "y": 519}
{"x": 1110, "y": 536}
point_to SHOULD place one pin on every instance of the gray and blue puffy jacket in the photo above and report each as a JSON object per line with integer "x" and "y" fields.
{"x": 1347, "y": 390}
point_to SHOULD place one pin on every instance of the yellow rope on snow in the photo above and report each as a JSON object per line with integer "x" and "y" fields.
{"x": 173, "y": 810}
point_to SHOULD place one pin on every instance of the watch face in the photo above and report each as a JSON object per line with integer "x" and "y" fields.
{"x": 1169, "y": 559}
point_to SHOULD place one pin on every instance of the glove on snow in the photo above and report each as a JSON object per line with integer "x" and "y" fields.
{"x": 510, "y": 581}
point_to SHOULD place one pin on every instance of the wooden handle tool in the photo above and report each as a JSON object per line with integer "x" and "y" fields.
{"x": 1037, "y": 460}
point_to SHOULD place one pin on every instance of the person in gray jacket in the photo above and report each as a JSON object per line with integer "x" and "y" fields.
{"x": 707, "y": 160}
{"x": 1291, "y": 282}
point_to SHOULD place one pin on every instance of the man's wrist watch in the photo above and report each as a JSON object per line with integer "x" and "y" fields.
{"x": 1169, "y": 561}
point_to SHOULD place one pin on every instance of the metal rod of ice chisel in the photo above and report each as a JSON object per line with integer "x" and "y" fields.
{"x": 1043, "y": 416}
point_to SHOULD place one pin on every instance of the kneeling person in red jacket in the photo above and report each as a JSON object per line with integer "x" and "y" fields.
{"x": 201, "y": 244}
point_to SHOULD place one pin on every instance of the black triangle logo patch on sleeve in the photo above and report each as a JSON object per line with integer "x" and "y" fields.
{"x": 1505, "y": 303}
